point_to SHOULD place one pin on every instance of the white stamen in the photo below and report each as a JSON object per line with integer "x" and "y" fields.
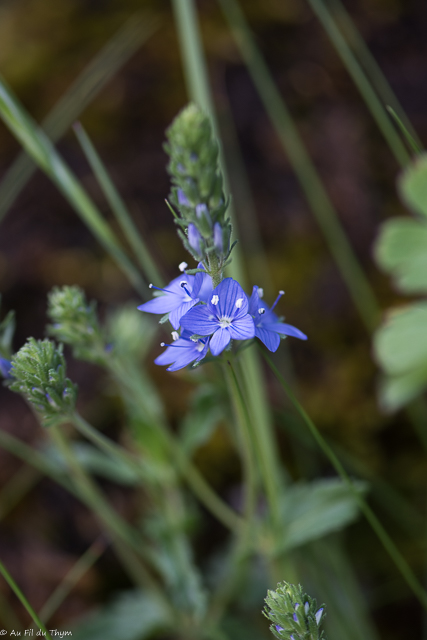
{"x": 239, "y": 303}
{"x": 182, "y": 266}
{"x": 183, "y": 283}
{"x": 162, "y": 344}
{"x": 261, "y": 310}
{"x": 260, "y": 292}
{"x": 215, "y": 299}
{"x": 282, "y": 293}
{"x": 150, "y": 286}
{"x": 200, "y": 347}
{"x": 175, "y": 335}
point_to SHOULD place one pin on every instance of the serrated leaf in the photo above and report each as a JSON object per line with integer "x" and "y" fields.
{"x": 413, "y": 185}
{"x": 131, "y": 616}
{"x": 400, "y": 344}
{"x": 311, "y": 511}
{"x": 401, "y": 249}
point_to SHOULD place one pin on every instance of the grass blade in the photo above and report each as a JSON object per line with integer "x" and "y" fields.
{"x": 118, "y": 207}
{"x": 371, "y": 99}
{"x": 376, "y": 525}
{"x": 39, "y": 147}
{"x": 317, "y": 197}
{"x": 79, "y": 95}
{"x": 372, "y": 69}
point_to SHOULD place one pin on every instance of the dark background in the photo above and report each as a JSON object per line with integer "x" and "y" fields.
{"x": 45, "y": 44}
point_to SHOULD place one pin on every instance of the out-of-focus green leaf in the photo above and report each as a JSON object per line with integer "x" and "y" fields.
{"x": 131, "y": 616}
{"x": 311, "y": 511}
{"x": 199, "y": 423}
{"x": 400, "y": 346}
{"x": 401, "y": 343}
{"x": 401, "y": 250}
{"x": 413, "y": 185}
{"x": 96, "y": 462}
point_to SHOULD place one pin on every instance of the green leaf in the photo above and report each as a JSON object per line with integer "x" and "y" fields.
{"x": 396, "y": 391}
{"x": 413, "y": 185}
{"x": 400, "y": 344}
{"x": 402, "y": 251}
{"x": 131, "y": 616}
{"x": 200, "y": 422}
{"x": 311, "y": 511}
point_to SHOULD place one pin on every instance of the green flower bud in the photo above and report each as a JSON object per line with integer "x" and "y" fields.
{"x": 75, "y": 323}
{"x": 38, "y": 373}
{"x": 294, "y": 615}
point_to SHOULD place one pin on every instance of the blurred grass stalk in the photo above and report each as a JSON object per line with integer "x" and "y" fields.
{"x": 39, "y": 147}
{"x": 196, "y": 76}
{"x": 120, "y": 48}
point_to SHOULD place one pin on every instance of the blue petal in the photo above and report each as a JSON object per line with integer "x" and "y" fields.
{"x": 219, "y": 341}
{"x": 284, "y": 329}
{"x": 176, "y": 315}
{"x": 5, "y": 367}
{"x": 242, "y": 328}
{"x": 161, "y": 304}
{"x": 197, "y": 320}
{"x": 168, "y": 356}
{"x": 254, "y": 302}
{"x": 269, "y": 338}
{"x": 228, "y": 292}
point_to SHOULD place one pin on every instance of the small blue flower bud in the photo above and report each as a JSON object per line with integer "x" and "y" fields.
{"x": 195, "y": 240}
{"x": 182, "y": 198}
{"x": 5, "y": 367}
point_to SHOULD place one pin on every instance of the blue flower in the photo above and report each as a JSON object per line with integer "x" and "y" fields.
{"x": 224, "y": 317}
{"x": 268, "y": 327}
{"x": 5, "y": 367}
{"x": 179, "y": 296}
{"x": 183, "y": 351}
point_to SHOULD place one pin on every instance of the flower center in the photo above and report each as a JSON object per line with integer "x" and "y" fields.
{"x": 225, "y": 322}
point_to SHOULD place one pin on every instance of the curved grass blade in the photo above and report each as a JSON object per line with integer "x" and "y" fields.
{"x": 316, "y": 195}
{"x": 372, "y": 68}
{"x": 80, "y": 94}
{"x": 40, "y": 148}
{"x": 376, "y": 525}
{"x": 17, "y": 591}
{"x": 118, "y": 207}
{"x": 370, "y": 97}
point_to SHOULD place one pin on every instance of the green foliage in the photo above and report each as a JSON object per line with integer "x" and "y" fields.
{"x": 132, "y": 615}
{"x": 293, "y": 613}
{"x": 75, "y": 322}
{"x": 7, "y": 331}
{"x": 198, "y": 192}
{"x": 400, "y": 344}
{"x": 311, "y": 511}
{"x": 38, "y": 373}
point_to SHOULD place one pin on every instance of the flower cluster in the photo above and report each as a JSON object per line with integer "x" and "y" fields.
{"x": 38, "y": 373}
{"x": 294, "y": 615}
{"x": 197, "y": 192}
{"x": 209, "y": 318}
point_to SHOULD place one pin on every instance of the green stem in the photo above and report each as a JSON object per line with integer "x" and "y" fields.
{"x": 360, "y": 80}
{"x": 305, "y": 171}
{"x": 17, "y": 591}
{"x": 376, "y": 525}
{"x": 246, "y": 442}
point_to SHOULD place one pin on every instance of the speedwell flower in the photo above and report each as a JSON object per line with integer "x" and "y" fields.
{"x": 183, "y": 351}
{"x": 224, "y": 317}
{"x": 179, "y": 296}
{"x": 268, "y": 327}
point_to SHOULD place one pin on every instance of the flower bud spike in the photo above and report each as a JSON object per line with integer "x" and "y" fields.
{"x": 281, "y": 293}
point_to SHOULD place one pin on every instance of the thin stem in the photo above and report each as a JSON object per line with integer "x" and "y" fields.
{"x": 362, "y": 83}
{"x": 316, "y": 195}
{"x": 246, "y": 441}
{"x": 376, "y": 525}
{"x": 17, "y": 591}
{"x": 76, "y": 573}
{"x": 118, "y": 207}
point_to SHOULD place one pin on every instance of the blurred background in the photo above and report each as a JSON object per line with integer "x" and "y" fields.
{"x": 45, "y": 45}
